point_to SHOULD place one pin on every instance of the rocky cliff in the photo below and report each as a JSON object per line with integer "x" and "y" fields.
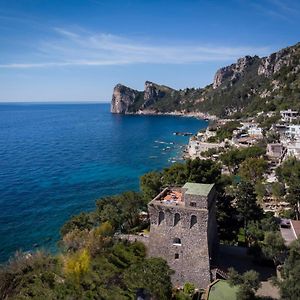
{"x": 250, "y": 85}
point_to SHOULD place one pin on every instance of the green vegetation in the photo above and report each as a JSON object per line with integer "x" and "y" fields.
{"x": 199, "y": 171}
{"x": 225, "y": 132}
{"x": 248, "y": 283}
{"x": 289, "y": 286}
{"x": 222, "y": 290}
{"x": 234, "y": 157}
{"x": 289, "y": 173}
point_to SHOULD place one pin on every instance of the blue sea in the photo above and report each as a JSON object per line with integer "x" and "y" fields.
{"x": 57, "y": 159}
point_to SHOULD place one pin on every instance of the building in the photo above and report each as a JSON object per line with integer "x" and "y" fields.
{"x": 293, "y": 131}
{"x": 183, "y": 231}
{"x": 255, "y": 131}
{"x": 289, "y": 115}
{"x": 293, "y": 149}
{"x": 196, "y": 147}
{"x": 275, "y": 151}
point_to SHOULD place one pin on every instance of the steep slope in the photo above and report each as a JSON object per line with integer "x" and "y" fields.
{"x": 250, "y": 85}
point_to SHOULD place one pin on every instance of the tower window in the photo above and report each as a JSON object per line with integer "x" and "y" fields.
{"x": 176, "y": 218}
{"x": 161, "y": 217}
{"x": 193, "y": 204}
{"x": 193, "y": 221}
{"x": 177, "y": 241}
{"x": 176, "y": 255}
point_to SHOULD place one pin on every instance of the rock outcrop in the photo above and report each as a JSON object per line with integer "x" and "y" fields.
{"x": 123, "y": 97}
{"x": 273, "y": 63}
{"x": 233, "y": 72}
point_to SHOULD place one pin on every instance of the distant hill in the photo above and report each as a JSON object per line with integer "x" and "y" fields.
{"x": 250, "y": 85}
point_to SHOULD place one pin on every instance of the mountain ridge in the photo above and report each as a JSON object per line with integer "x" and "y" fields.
{"x": 250, "y": 85}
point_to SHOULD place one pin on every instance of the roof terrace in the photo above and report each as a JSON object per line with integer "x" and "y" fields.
{"x": 170, "y": 196}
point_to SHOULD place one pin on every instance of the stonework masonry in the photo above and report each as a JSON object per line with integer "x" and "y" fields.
{"x": 183, "y": 231}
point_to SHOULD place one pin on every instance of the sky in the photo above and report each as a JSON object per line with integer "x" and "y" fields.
{"x": 78, "y": 50}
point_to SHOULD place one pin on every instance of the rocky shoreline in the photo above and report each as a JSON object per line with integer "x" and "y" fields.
{"x": 199, "y": 115}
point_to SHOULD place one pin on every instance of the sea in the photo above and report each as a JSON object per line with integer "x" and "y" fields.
{"x": 57, "y": 159}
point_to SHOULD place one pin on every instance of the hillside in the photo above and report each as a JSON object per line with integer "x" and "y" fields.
{"x": 250, "y": 85}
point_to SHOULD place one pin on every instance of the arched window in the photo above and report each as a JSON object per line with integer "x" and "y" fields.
{"x": 176, "y": 218}
{"x": 176, "y": 255}
{"x": 193, "y": 221}
{"x": 177, "y": 241}
{"x": 161, "y": 217}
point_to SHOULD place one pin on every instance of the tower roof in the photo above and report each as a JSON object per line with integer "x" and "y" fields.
{"x": 200, "y": 189}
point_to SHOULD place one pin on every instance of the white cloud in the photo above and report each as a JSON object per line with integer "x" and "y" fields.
{"x": 81, "y": 48}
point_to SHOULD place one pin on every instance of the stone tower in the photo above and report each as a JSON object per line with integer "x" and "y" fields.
{"x": 183, "y": 231}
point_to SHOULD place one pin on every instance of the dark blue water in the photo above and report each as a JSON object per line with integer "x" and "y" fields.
{"x": 57, "y": 159}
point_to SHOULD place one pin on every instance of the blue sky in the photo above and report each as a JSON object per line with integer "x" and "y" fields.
{"x": 71, "y": 50}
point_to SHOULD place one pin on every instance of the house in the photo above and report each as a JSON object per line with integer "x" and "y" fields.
{"x": 289, "y": 115}
{"x": 275, "y": 151}
{"x": 293, "y": 149}
{"x": 293, "y": 131}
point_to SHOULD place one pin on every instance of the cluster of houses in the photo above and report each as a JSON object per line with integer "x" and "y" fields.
{"x": 246, "y": 135}
{"x": 249, "y": 134}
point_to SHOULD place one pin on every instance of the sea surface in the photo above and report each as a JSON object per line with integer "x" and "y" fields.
{"x": 57, "y": 159}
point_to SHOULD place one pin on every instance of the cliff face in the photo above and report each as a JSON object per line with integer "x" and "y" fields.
{"x": 123, "y": 97}
{"x": 250, "y": 85}
{"x": 233, "y": 72}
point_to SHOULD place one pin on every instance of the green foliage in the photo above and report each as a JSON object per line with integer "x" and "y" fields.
{"x": 115, "y": 273}
{"x": 247, "y": 282}
{"x": 289, "y": 171}
{"x": 289, "y": 286}
{"x": 156, "y": 278}
{"x": 121, "y": 211}
{"x": 227, "y": 221}
{"x": 246, "y": 204}
{"x": 253, "y": 169}
{"x": 278, "y": 190}
{"x": 225, "y": 132}
{"x": 234, "y": 157}
{"x": 200, "y": 171}
{"x": 80, "y": 222}
{"x": 151, "y": 184}
{"x": 273, "y": 246}
{"x": 189, "y": 288}
{"x": 77, "y": 264}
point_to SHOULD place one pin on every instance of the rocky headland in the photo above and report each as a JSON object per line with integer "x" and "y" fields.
{"x": 250, "y": 85}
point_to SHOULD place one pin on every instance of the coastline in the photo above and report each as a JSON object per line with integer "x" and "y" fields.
{"x": 199, "y": 115}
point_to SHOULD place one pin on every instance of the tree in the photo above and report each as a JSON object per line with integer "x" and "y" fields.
{"x": 226, "y": 215}
{"x": 273, "y": 246}
{"x": 289, "y": 286}
{"x": 155, "y": 278}
{"x": 76, "y": 265}
{"x": 260, "y": 190}
{"x": 253, "y": 169}
{"x": 246, "y": 204}
{"x": 81, "y": 222}
{"x": 278, "y": 190}
{"x": 247, "y": 282}
{"x": 151, "y": 184}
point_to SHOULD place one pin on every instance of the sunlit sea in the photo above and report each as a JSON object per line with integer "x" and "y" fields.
{"x": 57, "y": 159}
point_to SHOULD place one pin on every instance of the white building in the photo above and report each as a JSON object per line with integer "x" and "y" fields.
{"x": 255, "y": 131}
{"x": 293, "y": 131}
{"x": 293, "y": 149}
{"x": 289, "y": 115}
